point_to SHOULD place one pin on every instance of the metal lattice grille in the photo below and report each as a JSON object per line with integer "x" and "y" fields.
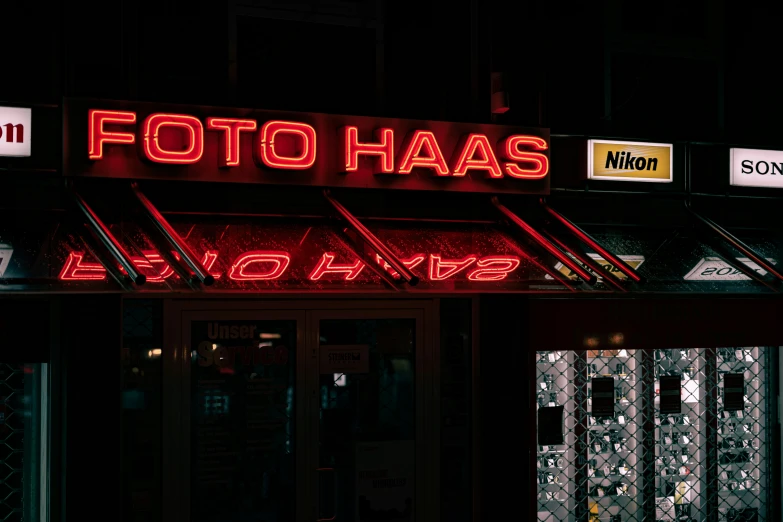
{"x": 12, "y": 437}
{"x": 644, "y": 460}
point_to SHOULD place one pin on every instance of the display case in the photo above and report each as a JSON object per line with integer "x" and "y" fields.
{"x": 667, "y": 435}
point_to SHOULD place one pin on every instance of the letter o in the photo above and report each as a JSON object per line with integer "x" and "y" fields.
{"x": 766, "y": 167}
{"x": 641, "y": 163}
{"x": 266, "y": 153}
{"x": 192, "y": 128}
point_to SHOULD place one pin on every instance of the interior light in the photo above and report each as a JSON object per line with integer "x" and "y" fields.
{"x": 591, "y": 342}
{"x": 616, "y": 338}
{"x": 270, "y": 336}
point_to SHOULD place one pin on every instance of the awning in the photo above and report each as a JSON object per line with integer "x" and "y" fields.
{"x": 531, "y": 248}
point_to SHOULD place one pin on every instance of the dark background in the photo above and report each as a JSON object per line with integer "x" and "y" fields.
{"x": 696, "y": 71}
{"x": 687, "y": 69}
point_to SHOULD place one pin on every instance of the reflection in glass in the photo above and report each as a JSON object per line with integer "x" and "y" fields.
{"x": 368, "y": 421}
{"x": 242, "y": 420}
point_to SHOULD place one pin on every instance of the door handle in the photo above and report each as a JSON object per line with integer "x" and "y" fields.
{"x": 321, "y": 472}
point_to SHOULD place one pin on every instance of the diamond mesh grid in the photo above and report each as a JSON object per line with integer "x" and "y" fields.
{"x": 12, "y": 437}
{"x": 706, "y": 463}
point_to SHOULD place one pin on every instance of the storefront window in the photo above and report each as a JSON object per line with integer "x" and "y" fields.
{"x": 141, "y": 410}
{"x": 456, "y": 372}
{"x": 23, "y": 441}
{"x": 242, "y": 429}
{"x": 668, "y": 434}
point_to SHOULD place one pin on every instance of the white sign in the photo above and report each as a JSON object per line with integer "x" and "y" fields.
{"x": 385, "y": 481}
{"x": 15, "y": 131}
{"x": 353, "y": 358}
{"x": 756, "y": 168}
{"x": 716, "y": 269}
{"x": 5, "y": 257}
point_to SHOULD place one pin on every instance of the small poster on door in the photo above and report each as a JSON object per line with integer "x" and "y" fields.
{"x": 354, "y": 358}
{"x": 385, "y": 481}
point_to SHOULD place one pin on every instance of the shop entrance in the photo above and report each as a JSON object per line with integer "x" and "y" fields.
{"x": 288, "y": 411}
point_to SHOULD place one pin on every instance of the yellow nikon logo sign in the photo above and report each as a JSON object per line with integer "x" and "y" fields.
{"x": 629, "y": 161}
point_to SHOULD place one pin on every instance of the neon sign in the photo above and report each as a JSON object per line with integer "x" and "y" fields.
{"x": 260, "y": 265}
{"x": 206, "y": 144}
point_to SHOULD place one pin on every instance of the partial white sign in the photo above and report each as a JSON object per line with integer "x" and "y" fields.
{"x": 5, "y": 257}
{"x": 756, "y": 168}
{"x": 385, "y": 481}
{"x": 632, "y": 261}
{"x": 716, "y": 269}
{"x": 15, "y": 131}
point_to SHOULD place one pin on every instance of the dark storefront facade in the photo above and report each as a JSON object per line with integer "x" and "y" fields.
{"x": 352, "y": 348}
{"x": 232, "y": 302}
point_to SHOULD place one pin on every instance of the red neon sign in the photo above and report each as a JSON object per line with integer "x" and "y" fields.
{"x": 329, "y": 150}
{"x": 269, "y": 138}
{"x": 192, "y": 130}
{"x": 259, "y": 265}
{"x": 262, "y": 265}
{"x": 76, "y": 269}
{"x": 97, "y": 135}
{"x": 229, "y": 144}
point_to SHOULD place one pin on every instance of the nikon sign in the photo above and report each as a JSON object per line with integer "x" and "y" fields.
{"x": 629, "y": 161}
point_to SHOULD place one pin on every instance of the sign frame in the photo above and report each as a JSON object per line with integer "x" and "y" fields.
{"x": 119, "y": 139}
{"x": 590, "y": 157}
{"x": 18, "y": 127}
{"x": 735, "y": 175}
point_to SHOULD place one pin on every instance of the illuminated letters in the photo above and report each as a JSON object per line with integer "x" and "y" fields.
{"x": 441, "y": 269}
{"x": 510, "y": 151}
{"x": 433, "y": 159}
{"x": 268, "y": 153}
{"x": 259, "y": 266}
{"x": 384, "y": 149}
{"x": 97, "y": 135}
{"x": 494, "y": 268}
{"x": 412, "y": 262}
{"x": 465, "y": 160}
{"x": 325, "y": 267}
{"x": 228, "y": 156}
{"x": 264, "y": 265}
{"x": 192, "y": 130}
{"x": 291, "y": 145}
{"x": 75, "y": 269}
{"x": 13, "y": 133}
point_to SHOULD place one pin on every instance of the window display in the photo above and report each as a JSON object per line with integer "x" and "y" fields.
{"x": 683, "y": 437}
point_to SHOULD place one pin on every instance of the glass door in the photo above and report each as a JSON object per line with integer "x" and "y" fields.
{"x": 239, "y": 416}
{"x": 368, "y": 415}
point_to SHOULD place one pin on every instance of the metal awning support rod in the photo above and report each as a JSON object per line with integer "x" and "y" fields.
{"x": 376, "y": 244}
{"x": 583, "y": 236}
{"x": 545, "y": 243}
{"x": 535, "y": 259}
{"x": 587, "y": 261}
{"x": 736, "y": 243}
{"x": 732, "y": 261}
{"x": 105, "y": 236}
{"x": 173, "y": 238}
{"x": 351, "y": 244}
{"x": 94, "y": 247}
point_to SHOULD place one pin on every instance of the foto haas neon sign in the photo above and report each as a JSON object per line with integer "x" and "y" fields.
{"x": 291, "y": 145}
{"x": 265, "y": 265}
